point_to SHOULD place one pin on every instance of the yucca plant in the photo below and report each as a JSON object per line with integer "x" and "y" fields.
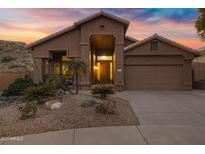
{"x": 77, "y": 68}
{"x": 38, "y": 93}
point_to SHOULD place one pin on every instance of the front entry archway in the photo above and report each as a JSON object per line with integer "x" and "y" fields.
{"x": 102, "y": 61}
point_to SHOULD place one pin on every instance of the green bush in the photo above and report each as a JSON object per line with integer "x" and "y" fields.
{"x": 17, "y": 87}
{"x": 39, "y": 93}
{"x": 28, "y": 110}
{"x": 62, "y": 82}
{"x": 102, "y": 90}
{"x": 7, "y": 58}
{"x": 106, "y": 107}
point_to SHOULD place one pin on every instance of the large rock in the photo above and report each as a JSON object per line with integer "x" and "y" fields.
{"x": 2, "y": 98}
{"x": 3, "y": 103}
{"x": 56, "y": 105}
{"x": 53, "y": 104}
{"x": 88, "y": 103}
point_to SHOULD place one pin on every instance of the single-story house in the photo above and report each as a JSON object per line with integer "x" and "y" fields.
{"x": 112, "y": 57}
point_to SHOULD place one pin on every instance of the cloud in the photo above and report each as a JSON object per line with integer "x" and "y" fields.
{"x": 184, "y": 33}
{"x": 29, "y": 25}
{"x": 158, "y": 14}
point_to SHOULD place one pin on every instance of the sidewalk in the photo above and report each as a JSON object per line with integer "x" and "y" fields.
{"x": 116, "y": 135}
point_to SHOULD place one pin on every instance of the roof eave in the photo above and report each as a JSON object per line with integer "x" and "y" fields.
{"x": 123, "y": 21}
{"x": 155, "y": 36}
{"x": 131, "y": 38}
{"x": 47, "y": 38}
{"x": 76, "y": 24}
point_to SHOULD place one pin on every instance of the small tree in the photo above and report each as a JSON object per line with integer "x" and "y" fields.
{"x": 77, "y": 68}
{"x": 200, "y": 24}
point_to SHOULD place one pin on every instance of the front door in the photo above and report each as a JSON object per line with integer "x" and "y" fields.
{"x": 104, "y": 72}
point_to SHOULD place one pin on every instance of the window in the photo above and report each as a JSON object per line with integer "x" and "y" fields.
{"x": 104, "y": 58}
{"x": 154, "y": 45}
{"x": 60, "y": 66}
{"x": 56, "y": 68}
{"x": 102, "y": 27}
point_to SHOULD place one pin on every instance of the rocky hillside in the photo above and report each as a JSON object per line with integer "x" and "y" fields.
{"x": 14, "y": 57}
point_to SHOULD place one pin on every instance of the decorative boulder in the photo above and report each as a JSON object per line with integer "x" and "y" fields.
{"x": 53, "y": 104}
{"x": 49, "y": 103}
{"x": 2, "y": 98}
{"x": 88, "y": 103}
{"x": 56, "y": 105}
{"x": 3, "y": 103}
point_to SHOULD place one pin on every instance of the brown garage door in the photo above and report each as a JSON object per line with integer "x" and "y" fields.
{"x": 153, "y": 77}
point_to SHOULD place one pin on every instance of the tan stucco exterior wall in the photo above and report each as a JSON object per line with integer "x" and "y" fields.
{"x": 38, "y": 69}
{"x": 127, "y": 42}
{"x": 77, "y": 44}
{"x": 111, "y": 28}
{"x": 69, "y": 42}
{"x": 199, "y": 68}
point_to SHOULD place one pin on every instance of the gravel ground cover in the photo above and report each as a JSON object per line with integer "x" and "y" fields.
{"x": 70, "y": 115}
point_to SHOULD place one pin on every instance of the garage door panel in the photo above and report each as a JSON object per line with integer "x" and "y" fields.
{"x": 153, "y": 77}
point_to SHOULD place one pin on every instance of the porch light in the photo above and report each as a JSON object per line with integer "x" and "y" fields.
{"x": 103, "y": 57}
{"x": 96, "y": 67}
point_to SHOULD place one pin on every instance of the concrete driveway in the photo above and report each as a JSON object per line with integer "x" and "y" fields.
{"x": 170, "y": 117}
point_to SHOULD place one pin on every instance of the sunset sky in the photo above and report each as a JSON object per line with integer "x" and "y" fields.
{"x": 28, "y": 25}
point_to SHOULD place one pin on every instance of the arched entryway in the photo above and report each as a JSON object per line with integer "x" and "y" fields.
{"x": 102, "y": 58}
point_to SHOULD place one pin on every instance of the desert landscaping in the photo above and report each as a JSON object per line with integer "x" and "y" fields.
{"x": 27, "y": 107}
{"x": 73, "y": 113}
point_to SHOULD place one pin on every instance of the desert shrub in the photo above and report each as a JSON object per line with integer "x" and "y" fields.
{"x": 28, "y": 110}
{"x": 102, "y": 90}
{"x": 39, "y": 93}
{"x": 17, "y": 87}
{"x": 106, "y": 107}
{"x": 62, "y": 82}
{"x": 7, "y": 58}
